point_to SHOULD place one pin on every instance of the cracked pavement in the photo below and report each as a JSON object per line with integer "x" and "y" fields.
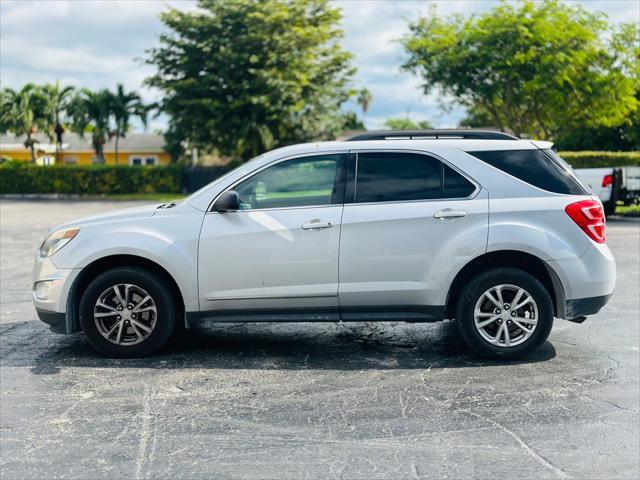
{"x": 386, "y": 400}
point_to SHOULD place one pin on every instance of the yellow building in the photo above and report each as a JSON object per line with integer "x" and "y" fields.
{"x": 134, "y": 149}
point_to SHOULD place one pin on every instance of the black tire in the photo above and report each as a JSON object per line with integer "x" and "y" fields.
{"x": 160, "y": 292}
{"x": 609, "y": 208}
{"x": 483, "y": 282}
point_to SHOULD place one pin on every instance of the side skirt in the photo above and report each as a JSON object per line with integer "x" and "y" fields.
{"x": 391, "y": 313}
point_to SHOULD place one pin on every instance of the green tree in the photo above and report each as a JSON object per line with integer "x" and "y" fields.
{"x": 406, "y": 124}
{"x": 538, "y": 68}
{"x": 24, "y": 112}
{"x": 364, "y": 99}
{"x": 57, "y": 101}
{"x": 124, "y": 106}
{"x": 245, "y": 76}
{"x": 91, "y": 112}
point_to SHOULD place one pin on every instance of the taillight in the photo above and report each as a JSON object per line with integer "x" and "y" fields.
{"x": 589, "y": 216}
{"x": 607, "y": 181}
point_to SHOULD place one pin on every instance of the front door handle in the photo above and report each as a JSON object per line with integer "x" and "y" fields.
{"x": 449, "y": 213}
{"x": 317, "y": 224}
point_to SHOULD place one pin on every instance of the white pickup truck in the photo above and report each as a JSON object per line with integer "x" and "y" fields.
{"x": 612, "y": 185}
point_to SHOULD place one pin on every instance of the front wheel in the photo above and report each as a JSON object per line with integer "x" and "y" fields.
{"x": 128, "y": 312}
{"x": 504, "y": 313}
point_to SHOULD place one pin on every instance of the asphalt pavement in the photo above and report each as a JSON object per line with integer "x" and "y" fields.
{"x": 352, "y": 401}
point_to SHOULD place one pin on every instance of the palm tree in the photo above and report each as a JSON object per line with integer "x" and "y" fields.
{"x": 364, "y": 99}
{"x": 91, "y": 112}
{"x": 126, "y": 105}
{"x": 24, "y": 113}
{"x": 58, "y": 100}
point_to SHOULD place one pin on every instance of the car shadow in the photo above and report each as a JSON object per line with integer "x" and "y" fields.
{"x": 298, "y": 346}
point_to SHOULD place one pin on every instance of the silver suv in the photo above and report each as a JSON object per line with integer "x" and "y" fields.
{"x": 493, "y": 231}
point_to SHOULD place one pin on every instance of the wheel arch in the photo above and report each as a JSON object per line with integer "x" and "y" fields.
{"x": 508, "y": 258}
{"x": 101, "y": 265}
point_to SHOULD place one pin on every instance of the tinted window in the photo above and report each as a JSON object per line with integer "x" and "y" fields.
{"x": 534, "y": 167}
{"x": 387, "y": 177}
{"x": 455, "y": 185}
{"x": 293, "y": 183}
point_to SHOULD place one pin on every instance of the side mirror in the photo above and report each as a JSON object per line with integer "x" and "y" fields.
{"x": 229, "y": 201}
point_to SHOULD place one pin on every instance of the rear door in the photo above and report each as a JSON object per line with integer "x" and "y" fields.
{"x": 410, "y": 222}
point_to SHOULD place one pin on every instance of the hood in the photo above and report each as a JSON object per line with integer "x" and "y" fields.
{"x": 113, "y": 216}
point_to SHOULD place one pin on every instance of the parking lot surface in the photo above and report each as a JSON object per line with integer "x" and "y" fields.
{"x": 386, "y": 400}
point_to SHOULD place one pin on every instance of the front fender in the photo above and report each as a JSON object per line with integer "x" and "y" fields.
{"x": 170, "y": 242}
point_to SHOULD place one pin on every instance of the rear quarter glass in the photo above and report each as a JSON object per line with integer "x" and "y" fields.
{"x": 535, "y": 167}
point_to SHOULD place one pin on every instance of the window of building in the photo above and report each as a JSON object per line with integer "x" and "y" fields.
{"x": 143, "y": 160}
{"x": 70, "y": 159}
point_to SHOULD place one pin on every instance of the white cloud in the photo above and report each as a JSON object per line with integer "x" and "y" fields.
{"x": 98, "y": 43}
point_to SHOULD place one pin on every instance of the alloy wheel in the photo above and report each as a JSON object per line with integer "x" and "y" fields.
{"x": 506, "y": 315}
{"x": 125, "y": 314}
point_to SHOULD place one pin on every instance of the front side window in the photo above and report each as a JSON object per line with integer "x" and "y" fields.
{"x": 534, "y": 167}
{"x": 396, "y": 176}
{"x": 300, "y": 182}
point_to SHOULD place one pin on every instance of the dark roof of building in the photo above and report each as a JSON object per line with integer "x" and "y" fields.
{"x": 135, "y": 142}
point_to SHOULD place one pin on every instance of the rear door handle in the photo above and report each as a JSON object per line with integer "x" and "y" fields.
{"x": 317, "y": 224}
{"x": 449, "y": 213}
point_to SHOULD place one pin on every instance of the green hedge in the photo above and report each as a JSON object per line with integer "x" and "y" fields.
{"x": 20, "y": 177}
{"x": 601, "y": 159}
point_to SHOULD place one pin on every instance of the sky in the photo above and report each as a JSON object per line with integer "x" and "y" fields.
{"x": 99, "y": 43}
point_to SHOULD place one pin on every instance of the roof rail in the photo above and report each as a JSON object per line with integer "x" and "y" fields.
{"x": 432, "y": 134}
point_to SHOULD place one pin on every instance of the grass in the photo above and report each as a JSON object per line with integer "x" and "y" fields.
{"x": 631, "y": 210}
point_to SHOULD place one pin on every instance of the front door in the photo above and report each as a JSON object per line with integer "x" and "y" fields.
{"x": 278, "y": 255}
{"x": 410, "y": 221}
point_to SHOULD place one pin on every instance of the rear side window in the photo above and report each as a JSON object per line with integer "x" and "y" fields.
{"x": 454, "y": 184}
{"x": 395, "y": 176}
{"x": 389, "y": 177}
{"x": 535, "y": 167}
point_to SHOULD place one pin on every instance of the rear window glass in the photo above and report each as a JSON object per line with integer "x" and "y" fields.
{"x": 535, "y": 167}
{"x": 455, "y": 185}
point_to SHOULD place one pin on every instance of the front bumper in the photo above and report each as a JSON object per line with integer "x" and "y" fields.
{"x": 56, "y": 321}
{"x": 50, "y": 289}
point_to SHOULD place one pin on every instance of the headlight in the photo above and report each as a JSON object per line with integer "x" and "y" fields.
{"x": 56, "y": 241}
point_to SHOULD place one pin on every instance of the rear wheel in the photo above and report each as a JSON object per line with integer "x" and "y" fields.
{"x": 505, "y": 313}
{"x": 128, "y": 312}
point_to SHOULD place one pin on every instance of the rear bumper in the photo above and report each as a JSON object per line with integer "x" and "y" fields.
{"x": 581, "y": 307}
{"x": 593, "y": 275}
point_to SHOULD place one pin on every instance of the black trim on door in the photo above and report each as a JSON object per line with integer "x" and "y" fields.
{"x": 374, "y": 313}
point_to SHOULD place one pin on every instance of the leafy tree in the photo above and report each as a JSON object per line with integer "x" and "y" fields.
{"x": 538, "y": 68}
{"x": 58, "y": 99}
{"x": 124, "y": 106}
{"x": 406, "y": 124}
{"x": 364, "y": 99}
{"x": 245, "y": 76}
{"x": 352, "y": 122}
{"x": 91, "y": 111}
{"x": 24, "y": 112}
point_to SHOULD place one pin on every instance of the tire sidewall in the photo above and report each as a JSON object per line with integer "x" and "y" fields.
{"x": 159, "y": 291}
{"x": 492, "y": 278}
